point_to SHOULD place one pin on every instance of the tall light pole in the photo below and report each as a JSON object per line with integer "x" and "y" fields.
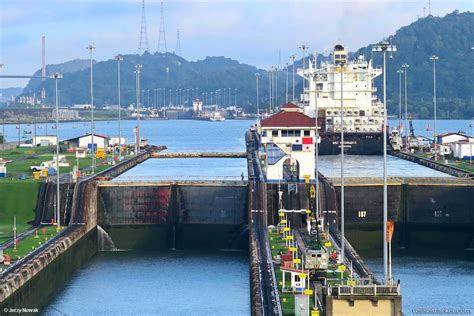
{"x": 304, "y": 48}
{"x": 235, "y": 96}
{"x": 405, "y": 71}
{"x": 293, "y": 57}
{"x": 91, "y": 48}
{"x": 56, "y": 77}
{"x": 385, "y": 47}
{"x": 434, "y": 58}
{"x": 316, "y": 149}
{"x": 270, "y": 91}
{"x": 287, "y": 64}
{"x": 400, "y": 71}
{"x": 138, "y": 67}
{"x": 119, "y": 58}
{"x": 258, "y": 111}
{"x": 343, "y": 240}
{"x": 275, "y": 84}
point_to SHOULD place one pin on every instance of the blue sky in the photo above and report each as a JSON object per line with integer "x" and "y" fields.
{"x": 251, "y": 31}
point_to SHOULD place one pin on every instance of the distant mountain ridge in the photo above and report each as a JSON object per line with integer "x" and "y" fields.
{"x": 450, "y": 37}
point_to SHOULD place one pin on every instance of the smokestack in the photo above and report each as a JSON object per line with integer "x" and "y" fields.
{"x": 43, "y": 57}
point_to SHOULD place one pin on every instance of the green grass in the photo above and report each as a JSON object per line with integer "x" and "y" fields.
{"x": 31, "y": 242}
{"x": 18, "y": 198}
{"x": 23, "y": 167}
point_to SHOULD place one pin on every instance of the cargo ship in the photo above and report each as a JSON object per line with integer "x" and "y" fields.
{"x": 363, "y": 112}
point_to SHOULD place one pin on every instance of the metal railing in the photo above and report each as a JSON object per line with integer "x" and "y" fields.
{"x": 364, "y": 290}
{"x": 172, "y": 179}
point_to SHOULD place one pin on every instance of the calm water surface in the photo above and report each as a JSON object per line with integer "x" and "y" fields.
{"x": 154, "y": 283}
{"x": 431, "y": 282}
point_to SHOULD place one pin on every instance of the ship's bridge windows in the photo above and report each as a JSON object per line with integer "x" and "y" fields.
{"x": 306, "y": 133}
{"x": 264, "y": 134}
{"x": 336, "y": 112}
{"x": 356, "y": 112}
{"x": 349, "y": 112}
{"x": 319, "y": 86}
{"x": 362, "y": 113}
{"x": 275, "y": 133}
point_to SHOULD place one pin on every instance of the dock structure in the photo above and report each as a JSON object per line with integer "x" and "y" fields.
{"x": 199, "y": 155}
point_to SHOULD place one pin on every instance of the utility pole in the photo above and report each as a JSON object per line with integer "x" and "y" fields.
{"x": 91, "y": 48}
{"x": 343, "y": 240}
{"x": 137, "y": 82}
{"x": 287, "y": 82}
{"x": 119, "y": 58}
{"x": 385, "y": 47}
{"x": 405, "y": 70}
{"x": 57, "y": 76}
{"x": 399, "y": 71}
{"x": 258, "y": 111}
{"x": 270, "y": 91}
{"x": 293, "y": 57}
{"x": 434, "y": 58}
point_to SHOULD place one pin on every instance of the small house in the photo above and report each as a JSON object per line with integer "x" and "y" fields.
{"x": 463, "y": 149}
{"x": 85, "y": 141}
{"x": 44, "y": 140}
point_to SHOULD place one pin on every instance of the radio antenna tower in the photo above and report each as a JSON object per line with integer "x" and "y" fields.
{"x": 143, "y": 43}
{"x": 177, "y": 51}
{"x": 162, "y": 35}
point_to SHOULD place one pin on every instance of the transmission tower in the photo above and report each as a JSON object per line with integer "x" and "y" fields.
{"x": 177, "y": 51}
{"x": 143, "y": 43}
{"x": 162, "y": 35}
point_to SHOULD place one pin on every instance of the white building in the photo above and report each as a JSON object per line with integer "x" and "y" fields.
{"x": 85, "y": 141}
{"x": 288, "y": 141}
{"x": 114, "y": 141}
{"x": 101, "y": 141}
{"x": 446, "y": 142}
{"x": 463, "y": 149}
{"x": 44, "y": 140}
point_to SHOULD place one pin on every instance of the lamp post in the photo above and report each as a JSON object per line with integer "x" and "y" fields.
{"x": 343, "y": 240}
{"x": 399, "y": 71}
{"x": 270, "y": 90}
{"x": 287, "y": 82}
{"x": 434, "y": 58}
{"x": 258, "y": 111}
{"x": 304, "y": 48}
{"x": 293, "y": 57}
{"x": 91, "y": 48}
{"x": 316, "y": 149}
{"x": 385, "y": 47}
{"x": 235, "y": 96}
{"x": 119, "y": 58}
{"x": 56, "y": 77}
{"x": 138, "y": 67}
{"x": 405, "y": 71}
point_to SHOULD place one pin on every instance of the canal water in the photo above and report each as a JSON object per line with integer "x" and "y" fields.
{"x": 210, "y": 283}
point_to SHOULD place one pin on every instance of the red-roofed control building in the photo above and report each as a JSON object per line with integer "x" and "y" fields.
{"x": 288, "y": 141}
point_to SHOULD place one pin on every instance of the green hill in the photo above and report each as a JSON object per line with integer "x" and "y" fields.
{"x": 450, "y": 37}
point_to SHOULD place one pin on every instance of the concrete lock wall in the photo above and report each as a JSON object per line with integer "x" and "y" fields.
{"x": 175, "y": 216}
{"x": 424, "y": 215}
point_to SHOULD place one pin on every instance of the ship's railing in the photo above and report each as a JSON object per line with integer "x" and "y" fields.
{"x": 364, "y": 290}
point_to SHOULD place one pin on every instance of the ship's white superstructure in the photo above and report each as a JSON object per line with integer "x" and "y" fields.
{"x": 363, "y": 112}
